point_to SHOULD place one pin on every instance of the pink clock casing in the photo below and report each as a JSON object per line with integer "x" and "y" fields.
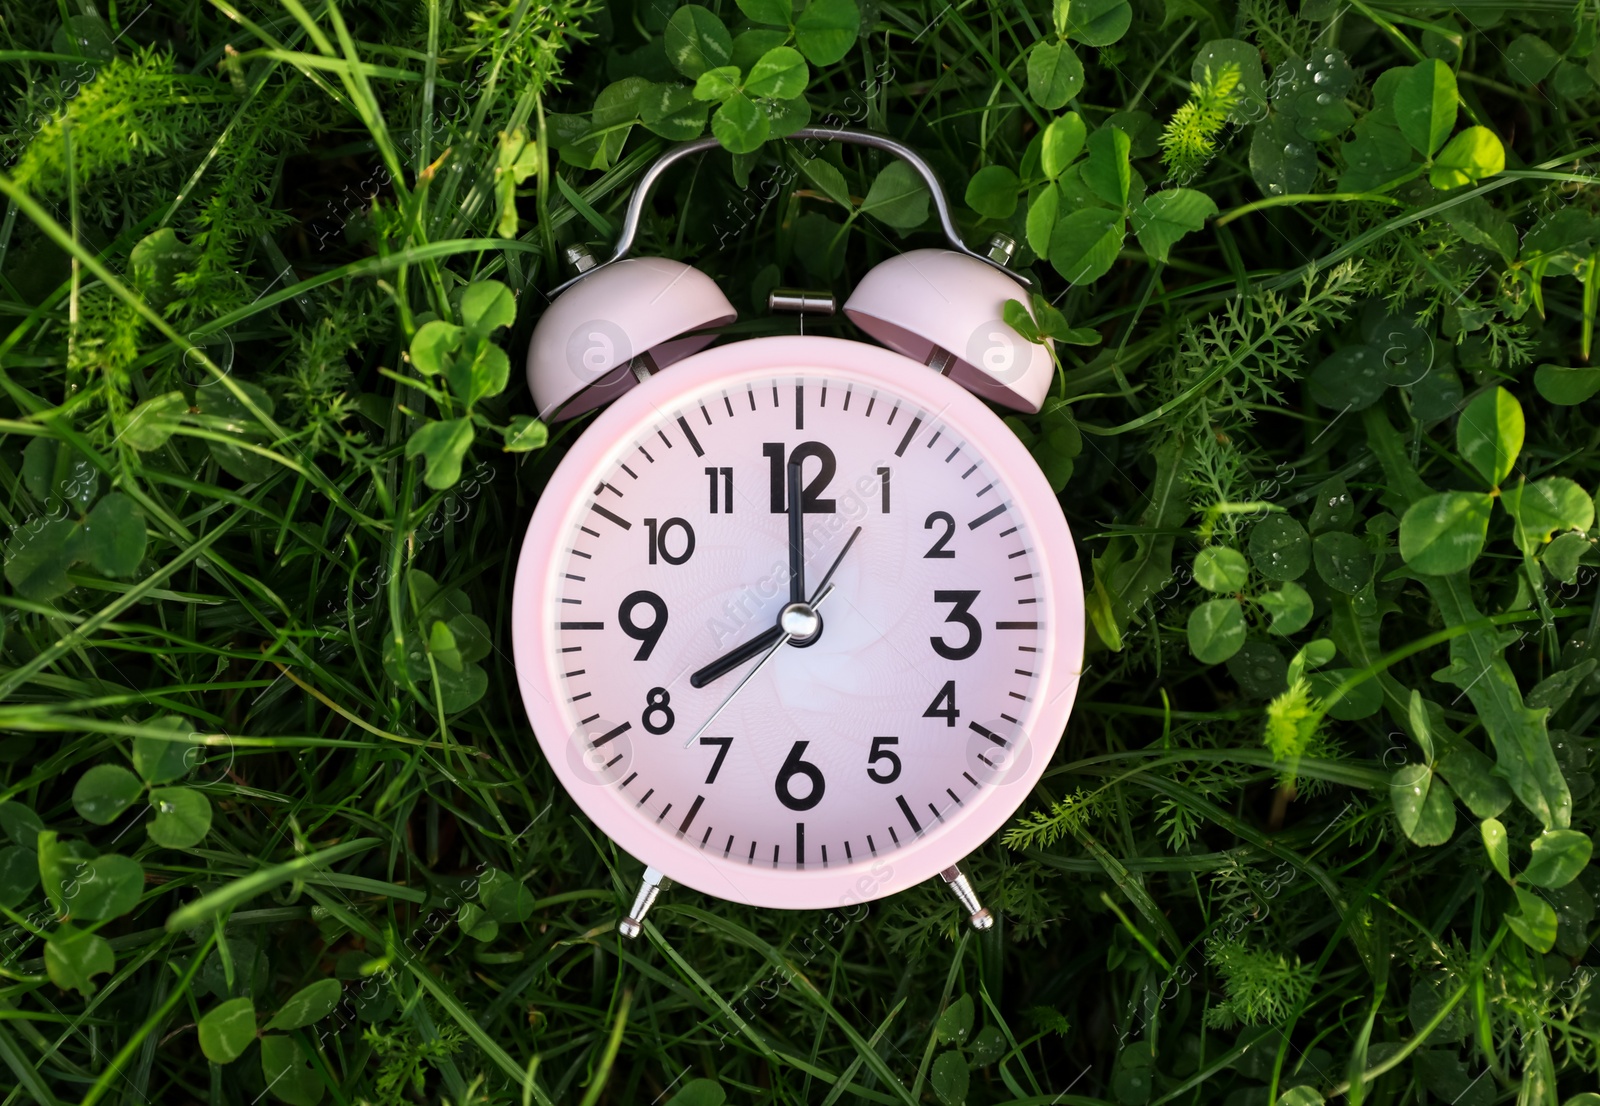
{"x": 538, "y": 663}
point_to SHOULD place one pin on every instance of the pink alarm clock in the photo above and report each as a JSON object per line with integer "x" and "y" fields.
{"x": 798, "y": 621}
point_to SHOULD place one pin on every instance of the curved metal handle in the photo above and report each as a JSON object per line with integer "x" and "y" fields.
{"x": 641, "y": 192}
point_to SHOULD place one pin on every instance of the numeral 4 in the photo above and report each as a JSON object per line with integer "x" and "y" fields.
{"x": 944, "y": 704}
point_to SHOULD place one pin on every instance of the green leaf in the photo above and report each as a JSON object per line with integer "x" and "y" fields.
{"x": 1471, "y": 156}
{"x": 113, "y": 537}
{"x": 56, "y": 473}
{"x": 1375, "y": 157}
{"x": 781, "y": 74}
{"x": 1423, "y": 805}
{"x": 21, "y": 824}
{"x": 1251, "y": 92}
{"x": 696, "y": 41}
{"x": 992, "y": 192}
{"x": 227, "y": 1029}
{"x": 1084, "y": 245}
{"x": 1055, "y": 75}
{"x": 950, "y": 1077}
{"x": 740, "y": 125}
{"x": 1541, "y": 508}
{"x": 444, "y": 444}
{"x": 216, "y": 401}
{"x": 1061, "y": 143}
{"x": 1216, "y": 630}
{"x": 1535, "y": 924}
{"x": 717, "y": 84}
{"x": 1361, "y": 700}
{"x": 1279, "y": 164}
{"x": 1445, "y": 533}
{"x": 104, "y": 792}
{"x": 162, "y": 760}
{"x": 1166, "y": 216}
{"x": 1060, "y": 12}
{"x": 525, "y": 433}
{"x": 108, "y": 888}
{"x": 1489, "y": 435}
{"x": 1017, "y": 317}
{"x": 156, "y": 263}
{"x": 1343, "y": 561}
{"x": 309, "y": 1004}
{"x": 1041, "y": 220}
{"x": 1135, "y": 567}
{"x": 1470, "y": 774}
{"x": 699, "y": 1092}
{"x": 1497, "y": 846}
{"x": 827, "y": 29}
{"x": 1529, "y": 59}
{"x": 774, "y": 13}
{"x": 486, "y": 306}
{"x": 1290, "y": 607}
{"x": 476, "y": 924}
{"x": 287, "y": 1069}
{"x": 1106, "y": 171}
{"x": 1425, "y": 105}
{"x": 828, "y": 180}
{"x": 1558, "y": 857}
{"x": 1561, "y": 557}
{"x": 182, "y": 817}
{"x": 1280, "y": 548}
{"x": 1567, "y": 385}
{"x": 19, "y": 874}
{"x": 1420, "y": 724}
{"x": 898, "y": 196}
{"x": 149, "y": 425}
{"x": 73, "y": 958}
{"x": 1218, "y": 568}
{"x": 433, "y": 345}
{"x": 442, "y": 647}
{"x": 1301, "y": 1096}
{"x": 1350, "y": 379}
{"x": 671, "y": 111}
{"x": 38, "y": 556}
{"x": 506, "y": 898}
{"x": 1099, "y": 22}
{"x": 955, "y": 1023}
{"x": 458, "y": 690}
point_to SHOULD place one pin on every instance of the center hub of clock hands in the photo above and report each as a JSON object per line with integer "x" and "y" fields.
{"x": 794, "y": 620}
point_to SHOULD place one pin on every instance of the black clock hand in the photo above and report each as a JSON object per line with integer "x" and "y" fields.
{"x": 797, "y": 541}
{"x": 731, "y": 660}
{"x": 767, "y": 638}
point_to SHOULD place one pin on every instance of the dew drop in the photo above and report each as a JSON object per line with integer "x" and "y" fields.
{"x": 1331, "y": 59}
{"x": 1319, "y": 77}
{"x": 1324, "y": 99}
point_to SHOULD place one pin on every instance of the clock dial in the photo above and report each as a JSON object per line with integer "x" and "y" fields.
{"x": 920, "y": 691}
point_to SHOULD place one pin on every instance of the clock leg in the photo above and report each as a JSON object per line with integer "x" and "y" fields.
{"x": 977, "y": 912}
{"x": 631, "y": 926}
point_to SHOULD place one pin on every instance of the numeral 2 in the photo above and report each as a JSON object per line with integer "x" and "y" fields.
{"x": 938, "y": 550}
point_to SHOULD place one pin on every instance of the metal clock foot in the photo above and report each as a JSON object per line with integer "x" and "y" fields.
{"x": 977, "y": 912}
{"x": 631, "y": 926}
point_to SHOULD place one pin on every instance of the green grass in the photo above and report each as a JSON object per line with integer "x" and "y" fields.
{"x": 1318, "y": 826}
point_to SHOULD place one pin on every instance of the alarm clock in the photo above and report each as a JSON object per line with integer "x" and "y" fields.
{"x": 797, "y": 621}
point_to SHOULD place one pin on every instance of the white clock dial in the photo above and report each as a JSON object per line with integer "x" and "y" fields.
{"x": 923, "y": 682}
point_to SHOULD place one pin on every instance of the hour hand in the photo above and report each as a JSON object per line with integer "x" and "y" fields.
{"x": 733, "y": 659}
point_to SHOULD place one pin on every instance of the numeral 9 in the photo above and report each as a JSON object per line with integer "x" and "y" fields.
{"x": 646, "y": 636}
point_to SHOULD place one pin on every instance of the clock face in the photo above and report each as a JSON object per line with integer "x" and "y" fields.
{"x": 893, "y": 740}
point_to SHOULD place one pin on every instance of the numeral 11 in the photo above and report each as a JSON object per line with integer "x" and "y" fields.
{"x": 727, "y": 488}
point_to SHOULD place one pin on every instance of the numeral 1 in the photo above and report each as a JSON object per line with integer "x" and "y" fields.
{"x": 883, "y": 482}
{"x": 727, "y": 488}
